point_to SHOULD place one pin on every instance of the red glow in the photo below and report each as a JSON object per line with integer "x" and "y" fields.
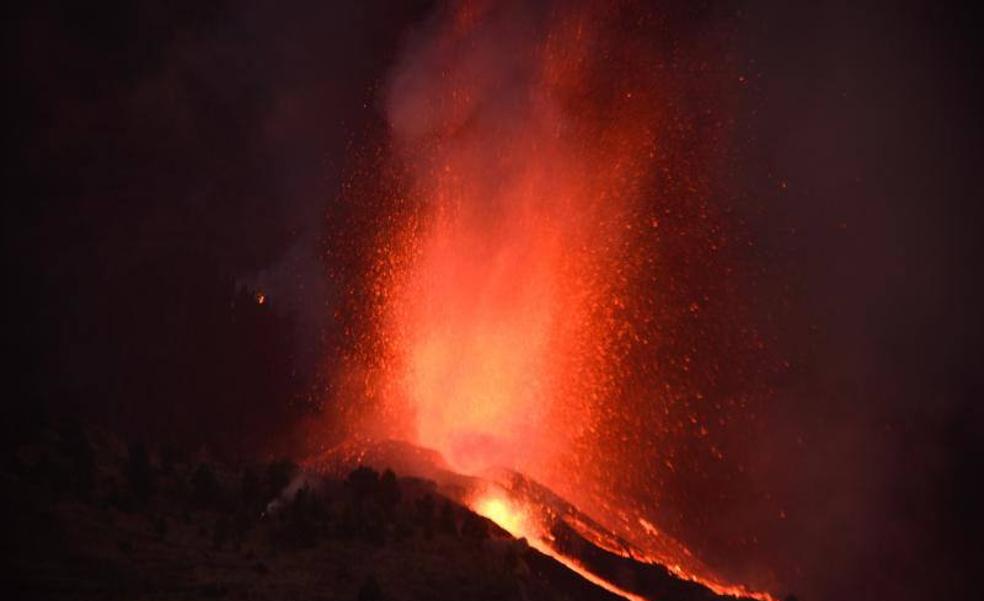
{"x": 498, "y": 321}
{"x": 509, "y": 296}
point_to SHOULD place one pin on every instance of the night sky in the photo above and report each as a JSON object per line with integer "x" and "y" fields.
{"x": 172, "y": 159}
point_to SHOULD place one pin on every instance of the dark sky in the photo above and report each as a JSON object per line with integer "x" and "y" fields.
{"x": 168, "y": 152}
{"x": 869, "y": 115}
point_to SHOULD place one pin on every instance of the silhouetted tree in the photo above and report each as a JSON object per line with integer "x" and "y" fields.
{"x": 370, "y": 591}
{"x": 389, "y": 491}
{"x": 372, "y": 523}
{"x": 348, "y": 522}
{"x": 401, "y": 528}
{"x": 204, "y": 486}
{"x": 160, "y": 527}
{"x": 363, "y": 481}
{"x": 511, "y": 557}
{"x": 279, "y": 475}
{"x": 221, "y": 532}
{"x": 75, "y": 446}
{"x": 446, "y": 522}
{"x": 139, "y": 473}
{"x": 300, "y": 520}
{"x": 425, "y": 514}
{"x": 475, "y": 527}
{"x": 241, "y": 524}
{"x": 170, "y": 454}
{"x": 250, "y": 487}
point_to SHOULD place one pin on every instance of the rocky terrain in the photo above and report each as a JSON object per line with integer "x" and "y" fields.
{"x": 93, "y": 517}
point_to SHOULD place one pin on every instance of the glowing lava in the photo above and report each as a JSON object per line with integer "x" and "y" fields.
{"x": 501, "y": 511}
{"x": 526, "y": 308}
{"x": 498, "y": 507}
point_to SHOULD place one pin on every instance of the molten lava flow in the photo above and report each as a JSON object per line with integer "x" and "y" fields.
{"x": 502, "y": 512}
{"x": 498, "y": 507}
{"x": 543, "y": 287}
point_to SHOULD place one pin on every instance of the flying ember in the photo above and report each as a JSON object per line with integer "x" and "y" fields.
{"x": 548, "y": 269}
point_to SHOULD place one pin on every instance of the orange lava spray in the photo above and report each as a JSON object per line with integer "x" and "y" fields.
{"x": 539, "y": 153}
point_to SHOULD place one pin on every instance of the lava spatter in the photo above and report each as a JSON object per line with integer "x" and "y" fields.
{"x": 549, "y": 283}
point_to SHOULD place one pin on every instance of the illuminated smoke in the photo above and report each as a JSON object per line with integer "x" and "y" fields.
{"x": 550, "y": 285}
{"x": 499, "y": 320}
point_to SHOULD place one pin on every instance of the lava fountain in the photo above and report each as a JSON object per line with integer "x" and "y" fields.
{"x": 523, "y": 290}
{"x": 498, "y": 321}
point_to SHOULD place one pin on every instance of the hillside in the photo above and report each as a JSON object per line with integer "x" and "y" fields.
{"x": 91, "y": 517}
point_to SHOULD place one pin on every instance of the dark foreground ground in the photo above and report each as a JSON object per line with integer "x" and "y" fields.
{"x": 91, "y": 517}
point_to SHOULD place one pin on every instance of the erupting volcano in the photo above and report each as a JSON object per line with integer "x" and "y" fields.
{"x": 552, "y": 283}
{"x": 552, "y": 300}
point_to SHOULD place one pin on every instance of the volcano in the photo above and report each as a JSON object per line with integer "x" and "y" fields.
{"x": 527, "y": 509}
{"x": 548, "y": 291}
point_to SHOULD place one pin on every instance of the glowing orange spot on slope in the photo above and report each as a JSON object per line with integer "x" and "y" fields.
{"x": 514, "y": 520}
{"x": 502, "y": 512}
